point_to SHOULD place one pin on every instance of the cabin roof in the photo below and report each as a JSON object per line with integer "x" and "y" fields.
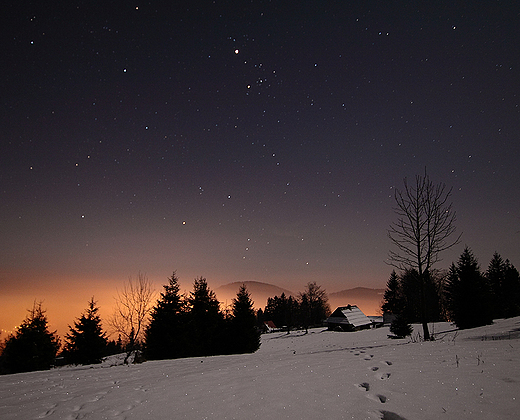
{"x": 349, "y": 315}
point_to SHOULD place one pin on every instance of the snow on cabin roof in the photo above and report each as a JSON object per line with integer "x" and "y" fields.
{"x": 350, "y": 314}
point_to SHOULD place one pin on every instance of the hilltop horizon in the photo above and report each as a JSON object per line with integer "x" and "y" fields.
{"x": 366, "y": 298}
{"x": 63, "y": 312}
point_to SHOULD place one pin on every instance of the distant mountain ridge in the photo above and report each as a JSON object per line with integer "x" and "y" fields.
{"x": 367, "y": 299}
{"x": 361, "y": 292}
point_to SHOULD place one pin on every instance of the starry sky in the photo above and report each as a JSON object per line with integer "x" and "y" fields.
{"x": 255, "y": 140}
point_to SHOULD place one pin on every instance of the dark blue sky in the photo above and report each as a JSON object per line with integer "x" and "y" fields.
{"x": 257, "y": 141}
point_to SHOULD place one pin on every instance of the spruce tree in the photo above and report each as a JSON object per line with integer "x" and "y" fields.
{"x": 271, "y": 312}
{"x": 504, "y": 282}
{"x": 86, "y": 342}
{"x": 392, "y": 298}
{"x": 245, "y": 336}
{"x": 33, "y": 347}
{"x": 260, "y": 319}
{"x": 415, "y": 301}
{"x": 495, "y": 276}
{"x": 468, "y": 293}
{"x": 411, "y": 302}
{"x": 400, "y": 327}
{"x": 511, "y": 290}
{"x": 283, "y": 311}
{"x": 205, "y": 320}
{"x": 166, "y": 334}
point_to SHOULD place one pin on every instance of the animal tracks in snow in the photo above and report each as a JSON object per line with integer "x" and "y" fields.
{"x": 364, "y": 386}
{"x": 114, "y": 402}
{"x": 374, "y": 391}
{"x": 381, "y": 398}
{"x": 388, "y": 415}
{"x": 50, "y": 410}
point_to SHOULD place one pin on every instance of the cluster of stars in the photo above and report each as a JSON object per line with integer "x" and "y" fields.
{"x": 243, "y": 127}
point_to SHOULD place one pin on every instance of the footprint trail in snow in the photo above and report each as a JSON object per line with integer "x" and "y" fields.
{"x": 378, "y": 396}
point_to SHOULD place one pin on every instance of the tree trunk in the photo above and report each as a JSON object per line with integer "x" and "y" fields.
{"x": 424, "y": 318}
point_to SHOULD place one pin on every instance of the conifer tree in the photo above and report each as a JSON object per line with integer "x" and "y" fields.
{"x": 511, "y": 291}
{"x": 504, "y": 283}
{"x": 260, "y": 318}
{"x": 205, "y": 320}
{"x": 114, "y": 346}
{"x": 166, "y": 333}
{"x": 392, "y": 298}
{"x": 400, "y": 327}
{"x": 86, "y": 342}
{"x": 33, "y": 347}
{"x": 282, "y": 310}
{"x": 245, "y": 336}
{"x": 411, "y": 296}
{"x": 495, "y": 276}
{"x": 468, "y": 293}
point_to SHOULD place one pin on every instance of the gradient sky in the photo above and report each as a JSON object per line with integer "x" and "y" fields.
{"x": 256, "y": 140}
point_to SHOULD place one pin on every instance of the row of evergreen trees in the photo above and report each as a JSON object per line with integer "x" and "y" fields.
{"x": 310, "y": 308}
{"x": 464, "y": 294}
{"x": 180, "y": 326}
{"x": 34, "y": 347}
{"x": 194, "y": 325}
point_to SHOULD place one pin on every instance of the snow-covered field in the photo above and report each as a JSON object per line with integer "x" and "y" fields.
{"x": 473, "y": 374}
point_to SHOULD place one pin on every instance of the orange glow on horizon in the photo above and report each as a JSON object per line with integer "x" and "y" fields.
{"x": 65, "y": 298}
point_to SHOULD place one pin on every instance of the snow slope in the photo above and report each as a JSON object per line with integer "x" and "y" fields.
{"x": 473, "y": 374}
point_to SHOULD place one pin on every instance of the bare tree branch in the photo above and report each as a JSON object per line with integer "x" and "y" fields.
{"x": 133, "y": 306}
{"x": 426, "y": 220}
{"x": 425, "y": 223}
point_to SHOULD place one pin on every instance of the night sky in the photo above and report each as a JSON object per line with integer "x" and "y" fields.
{"x": 254, "y": 140}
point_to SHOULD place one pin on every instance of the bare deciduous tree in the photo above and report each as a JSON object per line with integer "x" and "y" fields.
{"x": 426, "y": 220}
{"x": 314, "y": 305}
{"x": 133, "y": 306}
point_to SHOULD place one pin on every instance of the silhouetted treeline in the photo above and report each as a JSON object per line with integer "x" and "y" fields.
{"x": 465, "y": 295}
{"x": 32, "y": 347}
{"x": 194, "y": 325}
{"x": 180, "y": 326}
{"x": 402, "y": 295}
{"x": 310, "y": 308}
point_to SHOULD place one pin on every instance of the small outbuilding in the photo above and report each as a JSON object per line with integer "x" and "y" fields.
{"x": 269, "y": 326}
{"x": 348, "y": 318}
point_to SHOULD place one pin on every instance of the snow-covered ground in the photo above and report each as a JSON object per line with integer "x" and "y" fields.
{"x": 473, "y": 374}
